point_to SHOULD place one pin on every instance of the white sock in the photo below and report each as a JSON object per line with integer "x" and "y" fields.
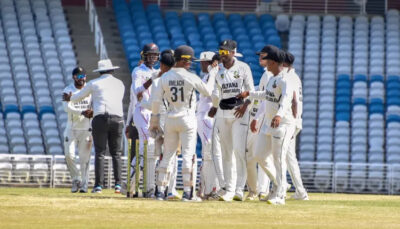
{"x": 187, "y": 189}
{"x": 161, "y": 188}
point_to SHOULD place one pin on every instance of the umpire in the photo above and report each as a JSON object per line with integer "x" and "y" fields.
{"x": 107, "y": 94}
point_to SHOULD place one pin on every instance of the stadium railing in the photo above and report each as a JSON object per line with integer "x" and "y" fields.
{"x": 271, "y": 6}
{"x": 96, "y": 29}
{"x": 51, "y": 171}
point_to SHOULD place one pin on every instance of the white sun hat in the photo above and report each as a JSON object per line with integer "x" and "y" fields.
{"x": 206, "y": 56}
{"x": 105, "y": 65}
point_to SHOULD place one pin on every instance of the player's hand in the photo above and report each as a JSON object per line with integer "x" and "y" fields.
{"x": 212, "y": 112}
{"x": 214, "y": 63}
{"x": 88, "y": 113}
{"x": 140, "y": 96}
{"x": 240, "y": 110}
{"x": 253, "y": 126}
{"x": 127, "y": 130}
{"x": 275, "y": 121}
{"x": 67, "y": 97}
{"x": 243, "y": 95}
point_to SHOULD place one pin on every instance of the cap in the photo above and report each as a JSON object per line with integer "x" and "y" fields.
{"x": 275, "y": 54}
{"x": 266, "y": 49}
{"x": 206, "y": 56}
{"x": 150, "y": 48}
{"x": 184, "y": 52}
{"x": 289, "y": 58}
{"x": 229, "y": 45}
{"x": 167, "y": 57}
{"x": 78, "y": 71}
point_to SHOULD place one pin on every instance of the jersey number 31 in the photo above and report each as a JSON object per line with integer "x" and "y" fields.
{"x": 174, "y": 92}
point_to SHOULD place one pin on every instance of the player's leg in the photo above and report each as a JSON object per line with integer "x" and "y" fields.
{"x": 264, "y": 156}
{"x": 172, "y": 193}
{"x": 171, "y": 142}
{"x": 263, "y": 182}
{"x": 84, "y": 147}
{"x": 239, "y": 140}
{"x": 69, "y": 151}
{"x": 208, "y": 175}
{"x": 294, "y": 171}
{"x": 188, "y": 137}
{"x": 216, "y": 155}
{"x": 251, "y": 164}
{"x": 228, "y": 159}
{"x": 280, "y": 142}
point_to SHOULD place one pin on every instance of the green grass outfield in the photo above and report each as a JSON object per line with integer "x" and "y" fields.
{"x": 58, "y": 208}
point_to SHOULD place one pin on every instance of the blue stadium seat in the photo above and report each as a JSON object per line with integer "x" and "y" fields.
{"x": 376, "y": 108}
{"x": 10, "y": 108}
{"x": 359, "y": 101}
{"x": 28, "y": 109}
{"x": 45, "y": 109}
{"x": 376, "y": 78}
{"x": 343, "y": 77}
{"x": 360, "y": 78}
{"x": 393, "y": 118}
{"x": 393, "y": 101}
{"x": 343, "y": 116}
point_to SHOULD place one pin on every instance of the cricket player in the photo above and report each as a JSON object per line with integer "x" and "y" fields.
{"x": 78, "y": 132}
{"x": 178, "y": 86}
{"x": 261, "y": 185}
{"x": 292, "y": 163}
{"x": 233, "y": 77}
{"x": 208, "y": 177}
{"x": 141, "y": 82}
{"x": 274, "y": 138}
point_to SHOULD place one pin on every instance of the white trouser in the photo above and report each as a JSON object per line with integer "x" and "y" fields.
{"x": 293, "y": 165}
{"x": 173, "y": 175}
{"x": 271, "y": 153}
{"x": 257, "y": 179}
{"x": 208, "y": 176}
{"x": 178, "y": 130}
{"x": 81, "y": 139}
{"x": 233, "y": 138}
{"x": 141, "y": 118}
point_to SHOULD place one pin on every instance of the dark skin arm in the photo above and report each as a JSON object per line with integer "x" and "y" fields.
{"x": 243, "y": 95}
{"x": 242, "y": 109}
{"x": 67, "y": 97}
{"x": 294, "y": 105}
{"x": 212, "y": 112}
{"x": 253, "y": 125}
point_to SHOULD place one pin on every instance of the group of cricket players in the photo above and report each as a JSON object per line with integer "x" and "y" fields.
{"x": 248, "y": 133}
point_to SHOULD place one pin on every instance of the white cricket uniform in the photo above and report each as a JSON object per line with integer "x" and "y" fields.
{"x": 77, "y": 134}
{"x": 272, "y": 143}
{"x": 232, "y": 131}
{"x": 141, "y": 118}
{"x": 177, "y": 86}
{"x": 262, "y": 178}
{"x": 208, "y": 177}
{"x": 292, "y": 163}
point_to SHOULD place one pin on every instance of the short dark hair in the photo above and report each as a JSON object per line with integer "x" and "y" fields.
{"x": 289, "y": 58}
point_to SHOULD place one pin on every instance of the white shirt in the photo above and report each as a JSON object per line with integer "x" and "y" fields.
{"x": 76, "y": 121}
{"x": 261, "y": 87}
{"x": 229, "y": 83}
{"x": 140, "y": 75}
{"x": 177, "y": 86}
{"x": 107, "y": 95}
{"x": 205, "y": 102}
{"x": 295, "y": 82}
{"x": 278, "y": 99}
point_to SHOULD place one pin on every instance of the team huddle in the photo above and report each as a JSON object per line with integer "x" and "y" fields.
{"x": 248, "y": 133}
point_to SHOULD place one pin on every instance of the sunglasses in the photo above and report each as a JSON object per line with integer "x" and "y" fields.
{"x": 223, "y": 52}
{"x": 80, "y": 76}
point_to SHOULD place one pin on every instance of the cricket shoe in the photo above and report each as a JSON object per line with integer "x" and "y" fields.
{"x": 150, "y": 194}
{"x": 212, "y": 196}
{"x": 117, "y": 189}
{"x": 297, "y": 196}
{"x": 186, "y": 196}
{"x": 263, "y": 196}
{"x": 83, "y": 188}
{"x": 97, "y": 189}
{"x": 228, "y": 196}
{"x": 277, "y": 201}
{"x": 174, "y": 196}
{"x": 160, "y": 196}
{"x": 75, "y": 186}
{"x": 251, "y": 196}
{"x": 238, "y": 196}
